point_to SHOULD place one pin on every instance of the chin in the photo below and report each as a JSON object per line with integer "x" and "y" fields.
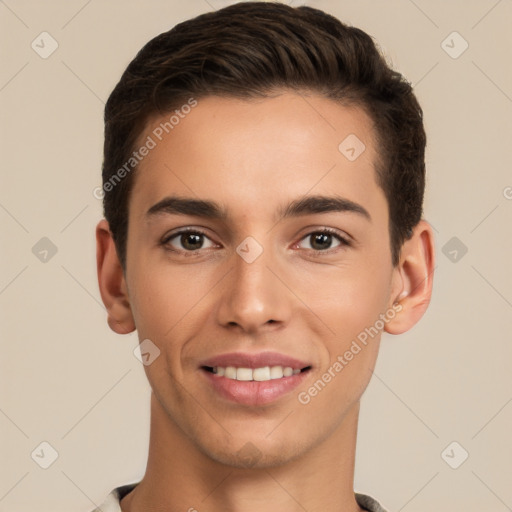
{"x": 253, "y": 454}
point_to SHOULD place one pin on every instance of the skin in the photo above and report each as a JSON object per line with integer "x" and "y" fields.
{"x": 253, "y": 157}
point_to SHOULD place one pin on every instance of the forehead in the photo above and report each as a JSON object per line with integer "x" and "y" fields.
{"x": 251, "y": 154}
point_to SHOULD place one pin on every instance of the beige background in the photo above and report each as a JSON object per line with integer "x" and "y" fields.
{"x": 67, "y": 380}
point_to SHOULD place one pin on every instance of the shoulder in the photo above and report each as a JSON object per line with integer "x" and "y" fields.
{"x": 368, "y": 503}
{"x": 111, "y": 502}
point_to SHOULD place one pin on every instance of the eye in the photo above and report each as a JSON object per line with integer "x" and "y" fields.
{"x": 191, "y": 240}
{"x": 321, "y": 241}
{"x": 187, "y": 240}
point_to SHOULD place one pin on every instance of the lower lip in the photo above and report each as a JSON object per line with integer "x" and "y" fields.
{"x": 254, "y": 392}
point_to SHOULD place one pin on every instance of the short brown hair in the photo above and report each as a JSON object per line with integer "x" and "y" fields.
{"x": 251, "y": 49}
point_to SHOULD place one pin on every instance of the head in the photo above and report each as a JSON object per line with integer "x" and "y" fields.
{"x": 246, "y": 110}
{"x": 249, "y": 50}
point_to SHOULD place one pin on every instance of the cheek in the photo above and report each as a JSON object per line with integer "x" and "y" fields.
{"x": 351, "y": 352}
{"x": 163, "y": 298}
{"x": 161, "y": 307}
{"x": 341, "y": 384}
{"x": 153, "y": 303}
{"x": 352, "y": 299}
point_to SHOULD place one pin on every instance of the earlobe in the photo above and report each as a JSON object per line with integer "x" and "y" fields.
{"x": 416, "y": 273}
{"x": 111, "y": 281}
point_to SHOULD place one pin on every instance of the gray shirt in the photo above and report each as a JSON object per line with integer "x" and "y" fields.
{"x": 111, "y": 503}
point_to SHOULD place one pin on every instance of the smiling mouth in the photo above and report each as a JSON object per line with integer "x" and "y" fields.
{"x": 262, "y": 374}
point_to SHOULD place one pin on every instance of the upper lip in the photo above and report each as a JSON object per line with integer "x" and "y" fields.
{"x": 259, "y": 360}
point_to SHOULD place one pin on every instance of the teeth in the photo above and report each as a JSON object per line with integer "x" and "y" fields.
{"x": 261, "y": 374}
{"x": 243, "y": 374}
{"x": 276, "y": 372}
{"x": 230, "y": 372}
{"x": 257, "y": 374}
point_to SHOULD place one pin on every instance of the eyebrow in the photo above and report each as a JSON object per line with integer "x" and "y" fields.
{"x": 308, "y": 205}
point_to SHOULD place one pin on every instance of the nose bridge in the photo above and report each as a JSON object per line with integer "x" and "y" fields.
{"x": 253, "y": 295}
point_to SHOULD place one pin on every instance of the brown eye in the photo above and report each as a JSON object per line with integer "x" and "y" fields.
{"x": 188, "y": 241}
{"x": 191, "y": 241}
{"x": 321, "y": 241}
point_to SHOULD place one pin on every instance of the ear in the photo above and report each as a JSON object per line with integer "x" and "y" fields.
{"x": 112, "y": 283}
{"x": 413, "y": 279}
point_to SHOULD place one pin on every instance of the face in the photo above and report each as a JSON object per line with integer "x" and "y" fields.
{"x": 256, "y": 244}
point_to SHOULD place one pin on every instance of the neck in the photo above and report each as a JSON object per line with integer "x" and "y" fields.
{"x": 179, "y": 477}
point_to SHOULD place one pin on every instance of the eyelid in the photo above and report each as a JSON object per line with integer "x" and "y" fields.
{"x": 169, "y": 236}
{"x": 345, "y": 240}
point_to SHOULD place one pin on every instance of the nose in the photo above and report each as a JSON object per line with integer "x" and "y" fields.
{"x": 254, "y": 295}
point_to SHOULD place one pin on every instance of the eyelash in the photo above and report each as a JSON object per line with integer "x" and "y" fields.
{"x": 328, "y": 231}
